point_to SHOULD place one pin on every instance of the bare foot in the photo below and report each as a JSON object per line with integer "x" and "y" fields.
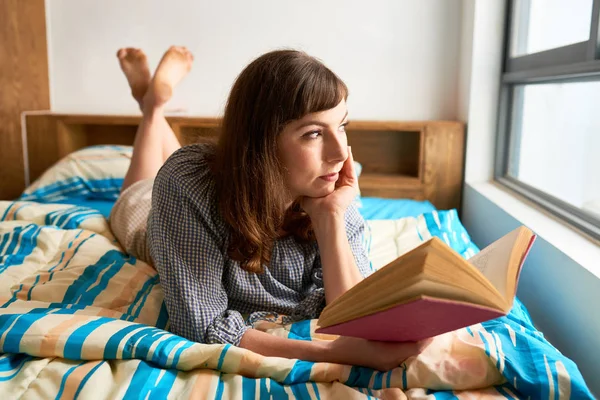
{"x": 174, "y": 65}
{"x": 135, "y": 66}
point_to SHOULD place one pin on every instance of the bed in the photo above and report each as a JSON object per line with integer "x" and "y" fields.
{"x": 80, "y": 318}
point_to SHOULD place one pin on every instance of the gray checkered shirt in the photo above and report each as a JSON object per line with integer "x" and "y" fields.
{"x": 206, "y": 292}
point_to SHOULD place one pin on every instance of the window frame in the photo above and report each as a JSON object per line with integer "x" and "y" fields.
{"x": 577, "y": 62}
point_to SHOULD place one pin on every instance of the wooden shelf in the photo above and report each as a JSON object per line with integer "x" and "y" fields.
{"x": 391, "y": 186}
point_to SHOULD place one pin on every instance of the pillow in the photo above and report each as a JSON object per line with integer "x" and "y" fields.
{"x": 92, "y": 173}
{"x": 385, "y": 240}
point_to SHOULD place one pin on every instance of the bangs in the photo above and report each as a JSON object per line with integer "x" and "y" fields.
{"x": 322, "y": 90}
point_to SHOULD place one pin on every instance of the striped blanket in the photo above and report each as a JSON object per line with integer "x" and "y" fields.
{"x": 79, "y": 318}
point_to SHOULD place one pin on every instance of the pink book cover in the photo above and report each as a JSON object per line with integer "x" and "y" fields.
{"x": 419, "y": 319}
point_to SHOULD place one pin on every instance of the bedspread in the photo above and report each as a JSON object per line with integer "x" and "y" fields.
{"x": 80, "y": 318}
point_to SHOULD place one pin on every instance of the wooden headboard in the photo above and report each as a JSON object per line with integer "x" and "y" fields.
{"x": 416, "y": 160}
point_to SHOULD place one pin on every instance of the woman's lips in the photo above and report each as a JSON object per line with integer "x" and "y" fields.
{"x": 330, "y": 177}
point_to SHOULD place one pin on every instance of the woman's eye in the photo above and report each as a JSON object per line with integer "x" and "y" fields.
{"x": 342, "y": 127}
{"x": 312, "y": 135}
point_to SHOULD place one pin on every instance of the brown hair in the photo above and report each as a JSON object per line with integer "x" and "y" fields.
{"x": 277, "y": 88}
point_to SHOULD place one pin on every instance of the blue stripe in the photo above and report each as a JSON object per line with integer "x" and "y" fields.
{"x": 4, "y": 240}
{"x": 264, "y": 392}
{"x": 62, "y": 255}
{"x": 300, "y": 390}
{"x": 146, "y": 342}
{"x": 65, "y": 215}
{"x": 501, "y": 390}
{"x": 316, "y": 389}
{"x": 419, "y": 234}
{"x": 76, "y": 339}
{"x": 141, "y": 297}
{"x": 404, "y": 377}
{"x": 222, "y": 356}
{"x": 143, "y": 340}
{"x": 14, "y": 297}
{"x": 8, "y": 362}
{"x": 51, "y": 216}
{"x": 388, "y": 379}
{"x": 163, "y": 317}
{"x": 23, "y": 322}
{"x": 19, "y": 209}
{"x": 220, "y": 388}
{"x": 112, "y": 346}
{"x": 378, "y": 381}
{"x": 300, "y": 372}
{"x": 26, "y": 246}
{"x": 37, "y": 279}
{"x": 72, "y": 221}
{"x": 6, "y": 213}
{"x": 142, "y": 381}
{"x": 248, "y": 388}
{"x": 107, "y": 188}
{"x": 79, "y": 292}
{"x": 485, "y": 346}
{"x": 86, "y": 378}
{"x": 22, "y": 364}
{"x": 554, "y": 377}
{"x": 359, "y": 377}
{"x": 164, "y": 385}
{"x": 277, "y": 391}
{"x": 64, "y": 184}
{"x": 64, "y": 379}
{"x": 51, "y": 276}
{"x": 178, "y": 354}
{"x": 16, "y": 234}
{"x": 443, "y": 394}
{"x": 163, "y": 349}
{"x": 300, "y": 330}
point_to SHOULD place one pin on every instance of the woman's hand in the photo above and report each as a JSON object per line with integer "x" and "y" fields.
{"x": 346, "y": 189}
{"x": 382, "y": 356}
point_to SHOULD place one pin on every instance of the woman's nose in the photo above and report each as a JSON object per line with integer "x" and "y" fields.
{"x": 336, "y": 148}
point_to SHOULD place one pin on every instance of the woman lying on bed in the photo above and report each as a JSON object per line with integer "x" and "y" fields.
{"x": 260, "y": 224}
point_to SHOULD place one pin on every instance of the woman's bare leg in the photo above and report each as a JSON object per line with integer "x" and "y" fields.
{"x": 154, "y": 141}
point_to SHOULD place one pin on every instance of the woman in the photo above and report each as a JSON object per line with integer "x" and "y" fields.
{"x": 262, "y": 223}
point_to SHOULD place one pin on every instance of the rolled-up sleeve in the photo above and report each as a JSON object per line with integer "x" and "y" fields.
{"x": 185, "y": 250}
{"x": 355, "y": 230}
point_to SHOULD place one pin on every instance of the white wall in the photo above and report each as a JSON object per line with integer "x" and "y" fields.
{"x": 485, "y": 43}
{"x": 398, "y": 57}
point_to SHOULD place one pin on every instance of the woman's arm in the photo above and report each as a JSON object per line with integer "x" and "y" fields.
{"x": 382, "y": 356}
{"x": 340, "y": 271}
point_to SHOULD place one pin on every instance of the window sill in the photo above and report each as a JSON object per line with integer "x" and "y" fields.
{"x": 580, "y": 248}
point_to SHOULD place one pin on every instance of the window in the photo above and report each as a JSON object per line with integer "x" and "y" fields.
{"x": 549, "y": 120}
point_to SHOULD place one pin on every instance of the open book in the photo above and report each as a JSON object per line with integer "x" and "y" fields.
{"x": 431, "y": 290}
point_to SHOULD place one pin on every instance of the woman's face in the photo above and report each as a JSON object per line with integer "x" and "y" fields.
{"x": 313, "y": 150}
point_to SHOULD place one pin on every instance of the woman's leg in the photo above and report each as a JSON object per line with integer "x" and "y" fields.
{"x": 154, "y": 141}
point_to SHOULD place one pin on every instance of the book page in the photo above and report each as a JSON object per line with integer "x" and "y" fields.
{"x": 494, "y": 261}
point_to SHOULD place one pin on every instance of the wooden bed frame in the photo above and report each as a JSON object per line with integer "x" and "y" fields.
{"x": 416, "y": 160}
